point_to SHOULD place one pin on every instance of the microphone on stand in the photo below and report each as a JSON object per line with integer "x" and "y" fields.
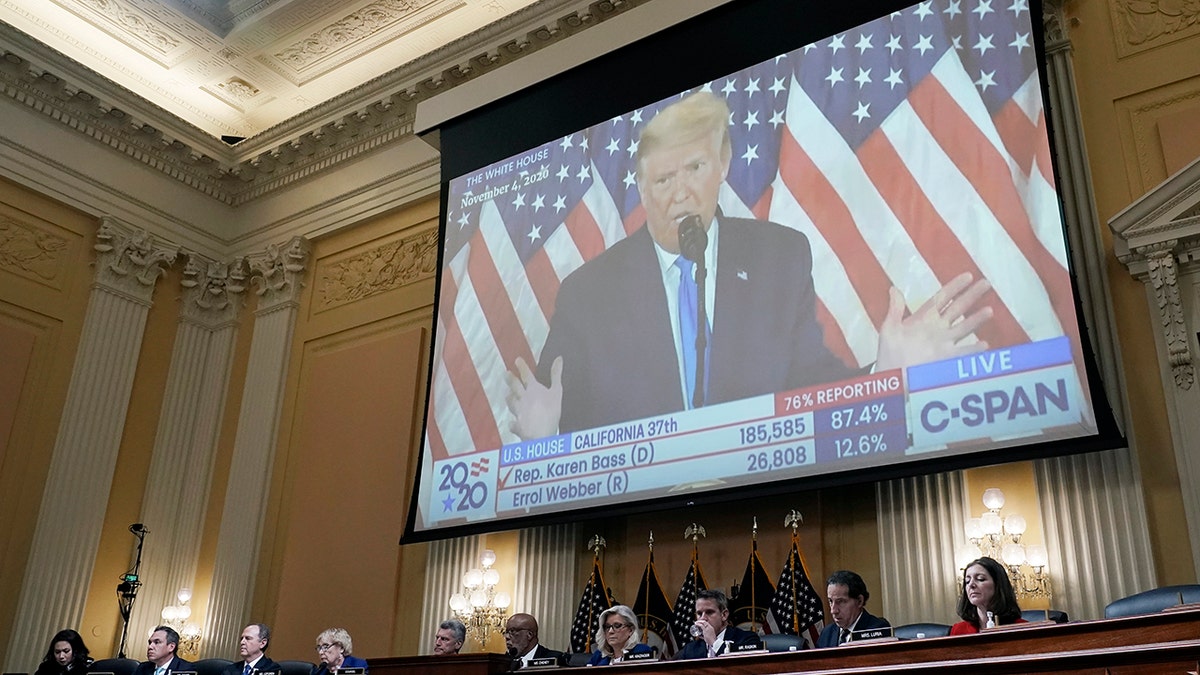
{"x": 693, "y": 241}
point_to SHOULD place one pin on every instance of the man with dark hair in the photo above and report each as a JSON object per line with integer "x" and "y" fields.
{"x": 847, "y": 595}
{"x": 161, "y": 654}
{"x": 251, "y": 645}
{"x": 449, "y": 638}
{"x": 716, "y": 635}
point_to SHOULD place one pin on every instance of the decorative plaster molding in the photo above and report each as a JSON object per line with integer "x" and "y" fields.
{"x": 1144, "y": 24}
{"x": 128, "y": 21}
{"x": 1055, "y": 26}
{"x": 278, "y": 273}
{"x": 378, "y": 112}
{"x": 129, "y": 262}
{"x": 29, "y": 251}
{"x": 1160, "y": 264}
{"x": 384, "y": 268}
{"x": 212, "y": 291}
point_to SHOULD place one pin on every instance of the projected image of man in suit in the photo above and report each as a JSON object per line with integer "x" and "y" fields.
{"x": 617, "y": 348}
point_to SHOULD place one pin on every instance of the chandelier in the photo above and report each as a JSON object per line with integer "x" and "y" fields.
{"x": 176, "y": 616}
{"x": 479, "y": 606}
{"x": 1000, "y": 538}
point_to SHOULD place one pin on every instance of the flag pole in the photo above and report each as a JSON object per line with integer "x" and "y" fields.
{"x": 753, "y": 554}
{"x": 594, "y": 545}
{"x": 794, "y": 519}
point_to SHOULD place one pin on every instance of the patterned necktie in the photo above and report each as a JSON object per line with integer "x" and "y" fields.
{"x": 845, "y": 636}
{"x": 688, "y": 309}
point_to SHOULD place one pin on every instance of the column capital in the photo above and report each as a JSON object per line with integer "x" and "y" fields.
{"x": 213, "y": 291}
{"x": 130, "y": 261}
{"x": 278, "y": 273}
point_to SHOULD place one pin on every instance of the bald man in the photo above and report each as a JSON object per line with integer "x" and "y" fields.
{"x": 521, "y": 638}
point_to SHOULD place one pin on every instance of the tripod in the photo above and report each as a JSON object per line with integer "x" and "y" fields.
{"x": 130, "y": 583}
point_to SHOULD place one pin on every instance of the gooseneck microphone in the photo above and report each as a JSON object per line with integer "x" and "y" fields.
{"x": 693, "y": 241}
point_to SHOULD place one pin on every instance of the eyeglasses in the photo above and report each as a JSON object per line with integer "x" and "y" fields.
{"x": 324, "y": 648}
{"x": 514, "y": 631}
{"x": 616, "y": 626}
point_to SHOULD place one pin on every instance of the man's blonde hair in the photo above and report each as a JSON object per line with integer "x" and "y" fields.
{"x": 695, "y": 116}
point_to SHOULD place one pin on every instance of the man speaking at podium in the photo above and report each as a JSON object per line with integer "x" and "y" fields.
{"x": 622, "y": 341}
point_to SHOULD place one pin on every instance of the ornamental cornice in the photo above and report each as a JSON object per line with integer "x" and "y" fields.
{"x": 377, "y": 113}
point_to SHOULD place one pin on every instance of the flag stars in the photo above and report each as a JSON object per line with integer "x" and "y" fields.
{"x": 567, "y": 143}
{"x": 539, "y": 203}
{"x": 1021, "y": 42}
{"x": 463, "y": 220}
{"x": 630, "y": 179}
{"x": 776, "y": 119}
{"x": 956, "y": 42}
{"x": 835, "y": 76}
{"x": 636, "y": 117}
{"x": 983, "y": 8}
{"x": 535, "y": 233}
{"x": 986, "y": 79}
{"x": 893, "y": 78}
{"x": 863, "y": 44}
{"x": 893, "y": 44}
{"x": 752, "y": 87}
{"x": 583, "y": 174}
{"x": 751, "y": 154}
{"x": 953, "y": 9}
{"x": 613, "y": 146}
{"x": 924, "y": 44}
{"x": 838, "y": 42}
{"x": 777, "y": 86}
{"x": 730, "y": 88}
{"x": 632, "y": 149}
{"x": 863, "y": 78}
{"x": 984, "y": 44}
{"x": 862, "y": 111}
{"x": 519, "y": 201}
{"x": 751, "y": 120}
{"x": 583, "y": 143}
{"x": 563, "y": 173}
{"x": 1018, "y": 6}
{"x": 560, "y": 204}
{"x": 923, "y": 10}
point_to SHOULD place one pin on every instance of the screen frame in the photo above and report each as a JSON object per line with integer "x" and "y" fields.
{"x": 503, "y": 128}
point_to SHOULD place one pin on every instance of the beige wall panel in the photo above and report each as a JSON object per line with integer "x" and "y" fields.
{"x": 1142, "y": 25}
{"x": 1142, "y": 118}
{"x": 45, "y": 251}
{"x": 1103, "y": 81}
{"x": 1179, "y": 131}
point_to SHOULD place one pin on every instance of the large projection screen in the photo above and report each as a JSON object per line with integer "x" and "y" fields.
{"x": 887, "y": 288}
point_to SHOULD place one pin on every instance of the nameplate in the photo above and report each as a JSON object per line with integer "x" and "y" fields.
{"x": 870, "y": 634}
{"x": 182, "y": 672}
{"x": 644, "y": 656}
{"x": 543, "y": 662}
{"x": 733, "y": 649}
{"x": 351, "y": 671}
{"x": 256, "y": 671}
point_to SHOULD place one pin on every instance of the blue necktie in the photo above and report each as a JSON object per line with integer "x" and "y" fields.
{"x": 246, "y": 670}
{"x": 688, "y": 308}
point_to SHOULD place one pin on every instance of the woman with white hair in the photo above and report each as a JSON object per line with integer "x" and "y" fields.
{"x": 617, "y": 637}
{"x": 333, "y": 648}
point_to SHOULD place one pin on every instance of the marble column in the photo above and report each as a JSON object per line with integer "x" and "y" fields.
{"x": 278, "y": 276}
{"x": 178, "y": 482}
{"x": 67, "y": 537}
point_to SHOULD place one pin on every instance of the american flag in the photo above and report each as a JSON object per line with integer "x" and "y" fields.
{"x": 653, "y": 611}
{"x": 908, "y": 149}
{"x": 796, "y": 606}
{"x": 750, "y": 607}
{"x": 592, "y": 602}
{"x": 684, "y": 614}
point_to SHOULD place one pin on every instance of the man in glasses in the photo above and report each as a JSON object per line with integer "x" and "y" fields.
{"x": 521, "y": 638}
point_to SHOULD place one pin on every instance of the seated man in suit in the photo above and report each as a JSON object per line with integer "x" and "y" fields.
{"x": 251, "y": 648}
{"x": 160, "y": 654}
{"x": 521, "y": 638}
{"x": 847, "y": 595}
{"x": 449, "y": 638}
{"x": 716, "y": 634}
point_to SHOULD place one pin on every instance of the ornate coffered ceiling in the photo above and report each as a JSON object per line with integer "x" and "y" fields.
{"x": 308, "y": 83}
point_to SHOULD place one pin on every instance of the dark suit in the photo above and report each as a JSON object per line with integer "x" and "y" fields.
{"x": 264, "y": 664}
{"x": 612, "y": 327}
{"x": 829, "y": 636}
{"x": 698, "y": 649}
{"x": 347, "y": 662}
{"x": 176, "y": 664}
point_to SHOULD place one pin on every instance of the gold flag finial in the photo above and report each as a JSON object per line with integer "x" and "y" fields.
{"x": 754, "y": 530}
{"x": 651, "y": 540}
{"x": 694, "y": 532}
{"x": 793, "y": 520}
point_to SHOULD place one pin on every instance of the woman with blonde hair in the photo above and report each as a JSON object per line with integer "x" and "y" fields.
{"x": 617, "y": 637}
{"x": 333, "y": 648}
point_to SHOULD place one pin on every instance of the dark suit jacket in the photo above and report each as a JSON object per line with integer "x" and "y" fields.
{"x": 264, "y": 664}
{"x": 698, "y": 649}
{"x": 176, "y": 664}
{"x": 829, "y": 636}
{"x": 347, "y": 662}
{"x": 600, "y": 659}
{"x": 612, "y": 328}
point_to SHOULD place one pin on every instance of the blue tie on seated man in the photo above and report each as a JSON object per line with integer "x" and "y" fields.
{"x": 847, "y": 595}
{"x": 161, "y": 654}
{"x": 714, "y": 634}
{"x": 252, "y": 646}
